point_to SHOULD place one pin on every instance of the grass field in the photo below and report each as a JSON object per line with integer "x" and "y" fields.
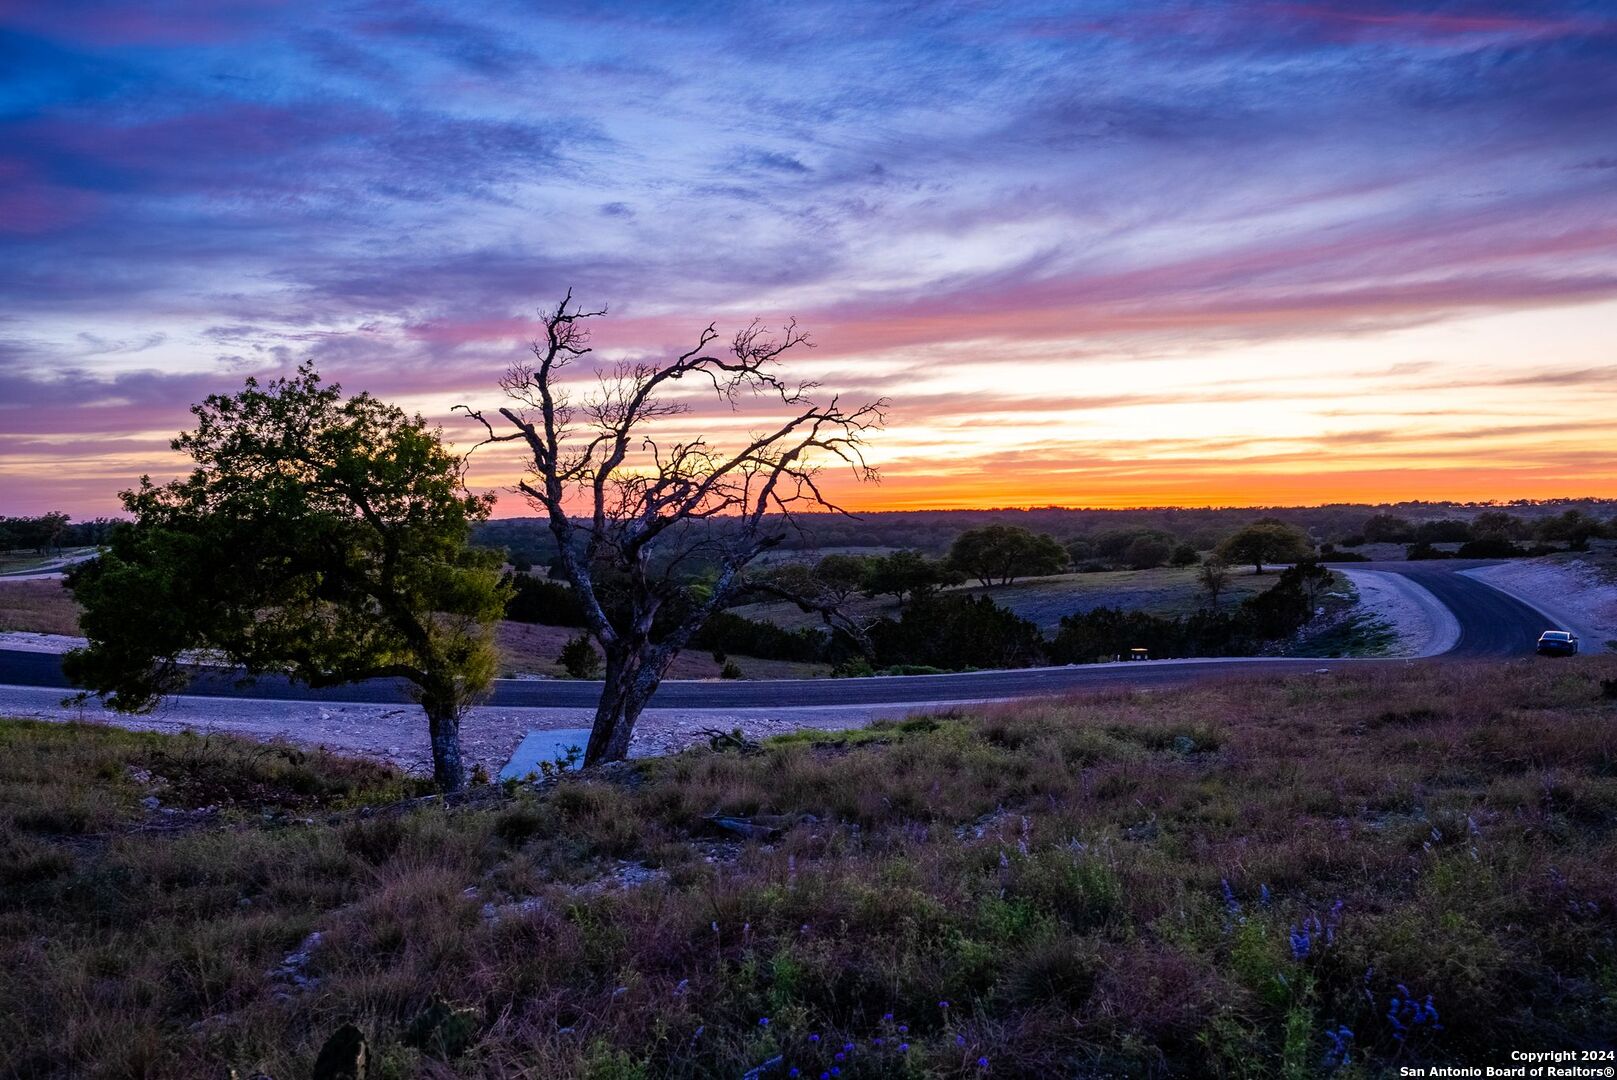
{"x": 41, "y": 606}
{"x": 1223, "y": 881}
{"x": 1044, "y": 600}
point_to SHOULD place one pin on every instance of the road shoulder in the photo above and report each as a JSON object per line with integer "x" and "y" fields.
{"x": 1423, "y": 625}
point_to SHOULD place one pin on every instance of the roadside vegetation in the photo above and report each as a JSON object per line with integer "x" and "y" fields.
{"x": 1337, "y": 876}
{"x": 1174, "y": 588}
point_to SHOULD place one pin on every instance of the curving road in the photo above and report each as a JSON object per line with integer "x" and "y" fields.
{"x": 1492, "y": 625}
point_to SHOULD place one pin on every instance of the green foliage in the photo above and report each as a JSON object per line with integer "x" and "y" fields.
{"x": 46, "y": 532}
{"x": 1266, "y": 541}
{"x": 1573, "y": 526}
{"x": 1423, "y": 550}
{"x": 579, "y": 658}
{"x": 726, "y": 632}
{"x": 321, "y": 537}
{"x": 1488, "y": 547}
{"x": 955, "y": 632}
{"x": 1279, "y": 611}
{"x": 905, "y": 575}
{"x": 1184, "y": 555}
{"x": 842, "y": 574}
{"x": 442, "y": 1030}
{"x": 999, "y": 554}
{"x": 540, "y": 600}
{"x": 1146, "y": 553}
{"x": 1387, "y": 528}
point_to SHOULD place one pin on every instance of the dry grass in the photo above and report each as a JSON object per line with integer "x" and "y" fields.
{"x": 531, "y": 649}
{"x": 1119, "y": 884}
{"x": 1043, "y": 601}
{"x": 42, "y": 606}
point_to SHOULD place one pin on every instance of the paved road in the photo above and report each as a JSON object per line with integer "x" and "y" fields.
{"x": 1492, "y": 625}
{"x": 54, "y": 569}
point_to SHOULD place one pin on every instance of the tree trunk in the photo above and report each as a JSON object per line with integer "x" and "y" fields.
{"x": 443, "y": 724}
{"x": 633, "y": 672}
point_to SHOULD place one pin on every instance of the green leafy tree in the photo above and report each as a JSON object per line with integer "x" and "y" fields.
{"x": 1573, "y": 526}
{"x": 1266, "y": 541}
{"x": 1384, "y": 528}
{"x": 999, "y": 554}
{"x": 320, "y": 538}
{"x": 841, "y": 575}
{"x": 1147, "y": 553}
{"x": 905, "y": 575}
{"x": 1500, "y": 524}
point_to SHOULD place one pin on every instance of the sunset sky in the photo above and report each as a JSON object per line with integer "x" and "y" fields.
{"x": 1097, "y": 254}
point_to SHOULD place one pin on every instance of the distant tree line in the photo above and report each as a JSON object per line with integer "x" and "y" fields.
{"x": 936, "y": 628}
{"x": 979, "y": 542}
{"x": 942, "y": 630}
{"x": 51, "y": 532}
{"x": 1489, "y": 534}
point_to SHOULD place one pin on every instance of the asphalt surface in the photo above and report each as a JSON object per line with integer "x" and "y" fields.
{"x": 1492, "y": 625}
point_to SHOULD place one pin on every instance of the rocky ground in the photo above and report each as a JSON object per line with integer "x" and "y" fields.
{"x": 398, "y": 733}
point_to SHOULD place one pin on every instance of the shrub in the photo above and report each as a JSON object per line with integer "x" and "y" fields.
{"x": 1488, "y": 547}
{"x": 726, "y": 633}
{"x": 579, "y": 658}
{"x": 956, "y": 632}
{"x": 1423, "y": 550}
{"x": 537, "y": 600}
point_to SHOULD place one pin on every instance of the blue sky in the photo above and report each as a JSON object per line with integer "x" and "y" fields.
{"x": 1097, "y": 254}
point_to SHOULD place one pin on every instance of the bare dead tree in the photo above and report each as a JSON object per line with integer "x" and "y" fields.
{"x": 649, "y": 507}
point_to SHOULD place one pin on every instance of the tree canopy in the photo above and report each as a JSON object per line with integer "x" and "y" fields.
{"x": 999, "y": 554}
{"x": 318, "y": 537}
{"x": 904, "y": 575}
{"x": 1266, "y": 541}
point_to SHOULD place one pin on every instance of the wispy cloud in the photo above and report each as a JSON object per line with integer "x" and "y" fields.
{"x": 952, "y": 198}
